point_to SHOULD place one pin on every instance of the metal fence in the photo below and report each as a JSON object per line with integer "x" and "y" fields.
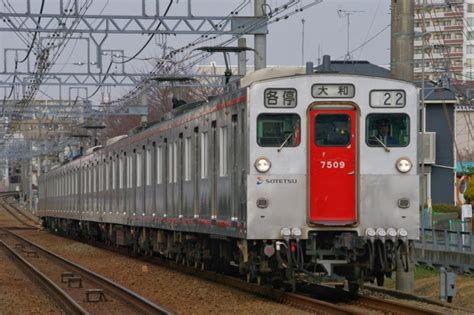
{"x": 446, "y": 240}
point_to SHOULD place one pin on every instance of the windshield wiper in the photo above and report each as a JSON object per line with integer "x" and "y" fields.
{"x": 284, "y": 142}
{"x": 383, "y": 144}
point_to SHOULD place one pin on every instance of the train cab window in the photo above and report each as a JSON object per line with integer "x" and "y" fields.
{"x": 332, "y": 130}
{"x": 274, "y": 130}
{"x": 389, "y": 130}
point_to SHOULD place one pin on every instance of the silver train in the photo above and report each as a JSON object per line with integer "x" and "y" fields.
{"x": 291, "y": 176}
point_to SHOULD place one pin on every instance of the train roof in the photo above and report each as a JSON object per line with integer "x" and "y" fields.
{"x": 270, "y": 73}
{"x": 345, "y": 67}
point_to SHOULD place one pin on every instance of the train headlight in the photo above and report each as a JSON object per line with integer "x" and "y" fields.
{"x": 391, "y": 232}
{"x": 404, "y": 165}
{"x": 402, "y": 232}
{"x": 370, "y": 232}
{"x": 381, "y": 232}
{"x": 263, "y": 165}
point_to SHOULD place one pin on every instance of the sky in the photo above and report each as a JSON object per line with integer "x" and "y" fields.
{"x": 325, "y": 30}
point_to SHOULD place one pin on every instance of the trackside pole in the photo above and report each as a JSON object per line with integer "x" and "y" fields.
{"x": 405, "y": 279}
{"x": 402, "y": 42}
{"x": 260, "y": 41}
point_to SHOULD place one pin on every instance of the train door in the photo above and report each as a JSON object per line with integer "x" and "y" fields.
{"x": 333, "y": 166}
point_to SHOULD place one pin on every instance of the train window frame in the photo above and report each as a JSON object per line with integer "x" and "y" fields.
{"x": 139, "y": 168}
{"x": 282, "y": 140}
{"x": 380, "y": 117}
{"x": 223, "y": 151}
{"x": 204, "y": 154}
{"x": 148, "y": 167}
{"x": 159, "y": 165}
{"x": 187, "y": 158}
{"x": 340, "y": 131}
{"x": 175, "y": 162}
{"x": 121, "y": 167}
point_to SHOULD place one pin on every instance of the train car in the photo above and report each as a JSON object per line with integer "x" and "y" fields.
{"x": 292, "y": 175}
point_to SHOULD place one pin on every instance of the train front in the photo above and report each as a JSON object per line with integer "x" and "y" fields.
{"x": 333, "y": 184}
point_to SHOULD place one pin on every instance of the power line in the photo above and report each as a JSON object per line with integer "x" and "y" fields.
{"x": 36, "y": 34}
{"x": 149, "y": 38}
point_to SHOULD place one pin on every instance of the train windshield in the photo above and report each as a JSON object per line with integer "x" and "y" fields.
{"x": 273, "y": 130}
{"x": 332, "y": 130}
{"x": 390, "y": 130}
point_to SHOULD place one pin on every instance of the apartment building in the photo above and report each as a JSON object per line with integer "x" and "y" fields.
{"x": 444, "y": 29}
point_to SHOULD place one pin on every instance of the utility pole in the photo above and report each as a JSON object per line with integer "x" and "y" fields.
{"x": 242, "y": 57}
{"x": 260, "y": 41}
{"x": 402, "y": 40}
{"x": 403, "y": 33}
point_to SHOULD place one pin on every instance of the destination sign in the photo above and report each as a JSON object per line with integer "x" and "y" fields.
{"x": 387, "y": 98}
{"x": 333, "y": 91}
{"x": 280, "y": 98}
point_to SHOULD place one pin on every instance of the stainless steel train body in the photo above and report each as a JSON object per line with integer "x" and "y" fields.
{"x": 293, "y": 161}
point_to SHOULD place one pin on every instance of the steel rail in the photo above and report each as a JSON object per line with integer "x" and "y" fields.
{"x": 16, "y": 216}
{"x": 11, "y": 206}
{"x": 318, "y": 305}
{"x": 141, "y": 304}
{"x": 59, "y": 295}
{"x": 413, "y": 297}
{"x": 393, "y": 307}
{"x": 377, "y": 304}
{"x": 314, "y": 305}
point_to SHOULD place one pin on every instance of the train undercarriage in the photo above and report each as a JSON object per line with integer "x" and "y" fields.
{"x": 332, "y": 257}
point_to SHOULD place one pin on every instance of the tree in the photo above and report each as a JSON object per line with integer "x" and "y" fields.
{"x": 159, "y": 99}
{"x": 469, "y": 193}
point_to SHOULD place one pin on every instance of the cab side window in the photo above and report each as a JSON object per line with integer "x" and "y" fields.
{"x": 390, "y": 130}
{"x": 274, "y": 130}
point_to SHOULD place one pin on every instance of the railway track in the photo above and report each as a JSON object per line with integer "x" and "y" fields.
{"x": 332, "y": 301}
{"x": 22, "y": 218}
{"x": 77, "y": 290}
{"x": 29, "y": 218}
{"x": 64, "y": 301}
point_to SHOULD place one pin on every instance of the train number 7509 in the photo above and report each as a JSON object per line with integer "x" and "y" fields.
{"x": 332, "y": 164}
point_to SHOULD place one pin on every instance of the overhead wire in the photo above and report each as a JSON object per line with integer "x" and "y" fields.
{"x": 31, "y": 90}
{"x": 371, "y": 25}
{"x": 149, "y": 38}
{"x": 35, "y": 34}
{"x": 280, "y": 10}
{"x": 7, "y": 5}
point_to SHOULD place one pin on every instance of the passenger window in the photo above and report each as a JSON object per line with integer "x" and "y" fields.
{"x": 332, "y": 130}
{"x": 159, "y": 164}
{"x": 391, "y": 130}
{"x": 274, "y": 130}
